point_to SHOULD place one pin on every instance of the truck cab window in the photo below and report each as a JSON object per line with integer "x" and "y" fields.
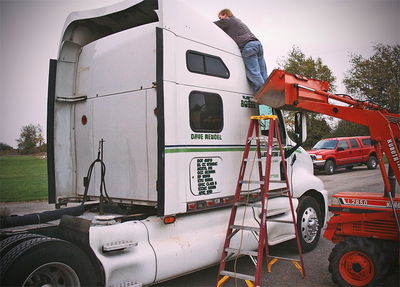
{"x": 206, "y": 112}
{"x": 210, "y": 65}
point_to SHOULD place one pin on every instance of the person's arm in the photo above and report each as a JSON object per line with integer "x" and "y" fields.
{"x": 223, "y": 23}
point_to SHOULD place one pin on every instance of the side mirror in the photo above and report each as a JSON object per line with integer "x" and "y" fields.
{"x": 300, "y": 127}
{"x": 340, "y": 149}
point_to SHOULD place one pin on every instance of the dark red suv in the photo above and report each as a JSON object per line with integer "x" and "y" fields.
{"x": 330, "y": 154}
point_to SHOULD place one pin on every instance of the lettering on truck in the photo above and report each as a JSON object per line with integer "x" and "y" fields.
{"x": 393, "y": 152}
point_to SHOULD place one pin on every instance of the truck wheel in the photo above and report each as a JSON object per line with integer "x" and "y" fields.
{"x": 329, "y": 167}
{"x": 357, "y": 262}
{"x": 372, "y": 162}
{"x": 45, "y": 261}
{"x": 309, "y": 219}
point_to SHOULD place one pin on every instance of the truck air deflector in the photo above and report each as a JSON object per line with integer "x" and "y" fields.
{"x": 88, "y": 26}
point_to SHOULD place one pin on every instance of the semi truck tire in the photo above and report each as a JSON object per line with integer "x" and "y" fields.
{"x": 372, "y": 162}
{"x": 11, "y": 241}
{"x": 329, "y": 167}
{"x": 309, "y": 220}
{"x": 357, "y": 262}
{"x": 45, "y": 261}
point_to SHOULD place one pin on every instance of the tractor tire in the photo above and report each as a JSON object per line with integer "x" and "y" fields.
{"x": 8, "y": 243}
{"x": 44, "y": 261}
{"x": 309, "y": 223}
{"x": 358, "y": 262}
{"x": 372, "y": 162}
{"x": 329, "y": 167}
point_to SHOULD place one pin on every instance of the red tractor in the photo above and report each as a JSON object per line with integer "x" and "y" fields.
{"x": 364, "y": 226}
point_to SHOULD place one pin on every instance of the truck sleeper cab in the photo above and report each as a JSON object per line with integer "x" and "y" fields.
{"x": 167, "y": 99}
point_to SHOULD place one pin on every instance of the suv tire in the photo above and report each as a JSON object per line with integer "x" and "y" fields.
{"x": 372, "y": 162}
{"x": 329, "y": 167}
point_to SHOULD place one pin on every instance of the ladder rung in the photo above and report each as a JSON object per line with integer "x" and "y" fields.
{"x": 252, "y": 182}
{"x": 250, "y": 159}
{"x": 240, "y": 251}
{"x": 243, "y": 227}
{"x": 284, "y": 258}
{"x": 258, "y": 138}
{"x": 237, "y": 275}
{"x": 247, "y": 192}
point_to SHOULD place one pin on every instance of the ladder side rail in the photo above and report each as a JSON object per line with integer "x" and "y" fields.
{"x": 237, "y": 196}
{"x": 278, "y": 135}
{"x": 258, "y": 151}
{"x": 263, "y": 237}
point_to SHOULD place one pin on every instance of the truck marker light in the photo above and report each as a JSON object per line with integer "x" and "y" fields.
{"x": 84, "y": 120}
{"x": 169, "y": 219}
{"x": 226, "y": 200}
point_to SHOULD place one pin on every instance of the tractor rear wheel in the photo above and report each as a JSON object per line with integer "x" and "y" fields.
{"x": 44, "y": 261}
{"x": 357, "y": 262}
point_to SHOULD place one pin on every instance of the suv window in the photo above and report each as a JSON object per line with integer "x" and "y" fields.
{"x": 210, "y": 65}
{"x": 343, "y": 144}
{"x": 366, "y": 141}
{"x": 206, "y": 112}
{"x": 354, "y": 143}
{"x": 325, "y": 144}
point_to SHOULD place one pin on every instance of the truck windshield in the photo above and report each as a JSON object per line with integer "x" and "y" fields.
{"x": 325, "y": 144}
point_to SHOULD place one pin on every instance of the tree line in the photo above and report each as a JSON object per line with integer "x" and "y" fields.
{"x": 375, "y": 79}
{"x": 30, "y": 141}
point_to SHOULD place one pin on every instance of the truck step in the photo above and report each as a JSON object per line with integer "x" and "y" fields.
{"x": 247, "y": 228}
{"x": 237, "y": 275}
{"x": 279, "y": 220}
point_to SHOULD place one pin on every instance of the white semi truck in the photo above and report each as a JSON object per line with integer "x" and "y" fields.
{"x": 148, "y": 110}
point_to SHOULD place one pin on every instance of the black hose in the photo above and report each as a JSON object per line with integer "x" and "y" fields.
{"x": 38, "y": 218}
{"x": 103, "y": 175}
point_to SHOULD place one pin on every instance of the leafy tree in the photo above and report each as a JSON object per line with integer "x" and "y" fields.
{"x": 317, "y": 128}
{"x": 376, "y": 79}
{"x": 30, "y": 137}
{"x": 349, "y": 129}
{"x": 298, "y": 63}
{"x": 5, "y": 147}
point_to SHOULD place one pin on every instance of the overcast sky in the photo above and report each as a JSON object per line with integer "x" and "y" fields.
{"x": 330, "y": 29}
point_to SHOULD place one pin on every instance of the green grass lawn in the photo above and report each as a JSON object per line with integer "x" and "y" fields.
{"x": 22, "y": 178}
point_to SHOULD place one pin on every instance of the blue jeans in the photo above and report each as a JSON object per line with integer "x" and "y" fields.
{"x": 256, "y": 69}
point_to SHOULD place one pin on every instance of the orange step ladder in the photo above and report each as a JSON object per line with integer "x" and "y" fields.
{"x": 260, "y": 232}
